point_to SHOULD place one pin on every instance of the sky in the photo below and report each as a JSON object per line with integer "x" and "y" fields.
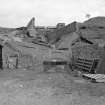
{"x": 17, "y": 13}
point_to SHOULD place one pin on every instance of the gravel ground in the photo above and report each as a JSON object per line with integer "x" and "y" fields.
{"x": 29, "y": 88}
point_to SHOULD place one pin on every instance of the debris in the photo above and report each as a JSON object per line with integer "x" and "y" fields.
{"x": 95, "y": 77}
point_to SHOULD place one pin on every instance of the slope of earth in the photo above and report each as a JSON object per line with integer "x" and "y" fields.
{"x": 29, "y": 88}
{"x": 93, "y": 28}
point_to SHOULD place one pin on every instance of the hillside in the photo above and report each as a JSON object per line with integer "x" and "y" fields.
{"x": 93, "y": 28}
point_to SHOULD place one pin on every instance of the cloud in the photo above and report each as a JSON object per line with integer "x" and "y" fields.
{"x": 15, "y": 13}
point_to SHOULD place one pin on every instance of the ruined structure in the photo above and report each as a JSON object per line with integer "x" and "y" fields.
{"x": 25, "y": 47}
{"x": 56, "y": 35}
{"x": 22, "y": 55}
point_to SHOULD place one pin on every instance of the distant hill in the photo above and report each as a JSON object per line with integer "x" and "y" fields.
{"x": 96, "y": 21}
{"x": 4, "y": 30}
{"x": 93, "y": 29}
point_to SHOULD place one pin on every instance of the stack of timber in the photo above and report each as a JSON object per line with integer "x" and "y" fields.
{"x": 95, "y": 77}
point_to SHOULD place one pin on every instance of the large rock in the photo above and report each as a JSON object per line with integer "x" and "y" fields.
{"x": 31, "y": 28}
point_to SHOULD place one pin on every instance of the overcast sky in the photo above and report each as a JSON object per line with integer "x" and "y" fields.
{"x": 16, "y": 13}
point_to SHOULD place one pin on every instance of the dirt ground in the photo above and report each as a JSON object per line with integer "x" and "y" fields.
{"x": 51, "y": 88}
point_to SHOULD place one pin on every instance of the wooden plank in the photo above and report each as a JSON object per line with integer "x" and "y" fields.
{"x": 87, "y": 63}
{"x": 83, "y": 63}
{"x": 101, "y": 77}
{"x": 100, "y": 80}
{"x": 85, "y": 66}
{"x": 81, "y": 67}
{"x": 88, "y": 60}
{"x": 96, "y": 77}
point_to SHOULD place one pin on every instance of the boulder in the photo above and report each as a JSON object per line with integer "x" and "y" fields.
{"x": 31, "y": 28}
